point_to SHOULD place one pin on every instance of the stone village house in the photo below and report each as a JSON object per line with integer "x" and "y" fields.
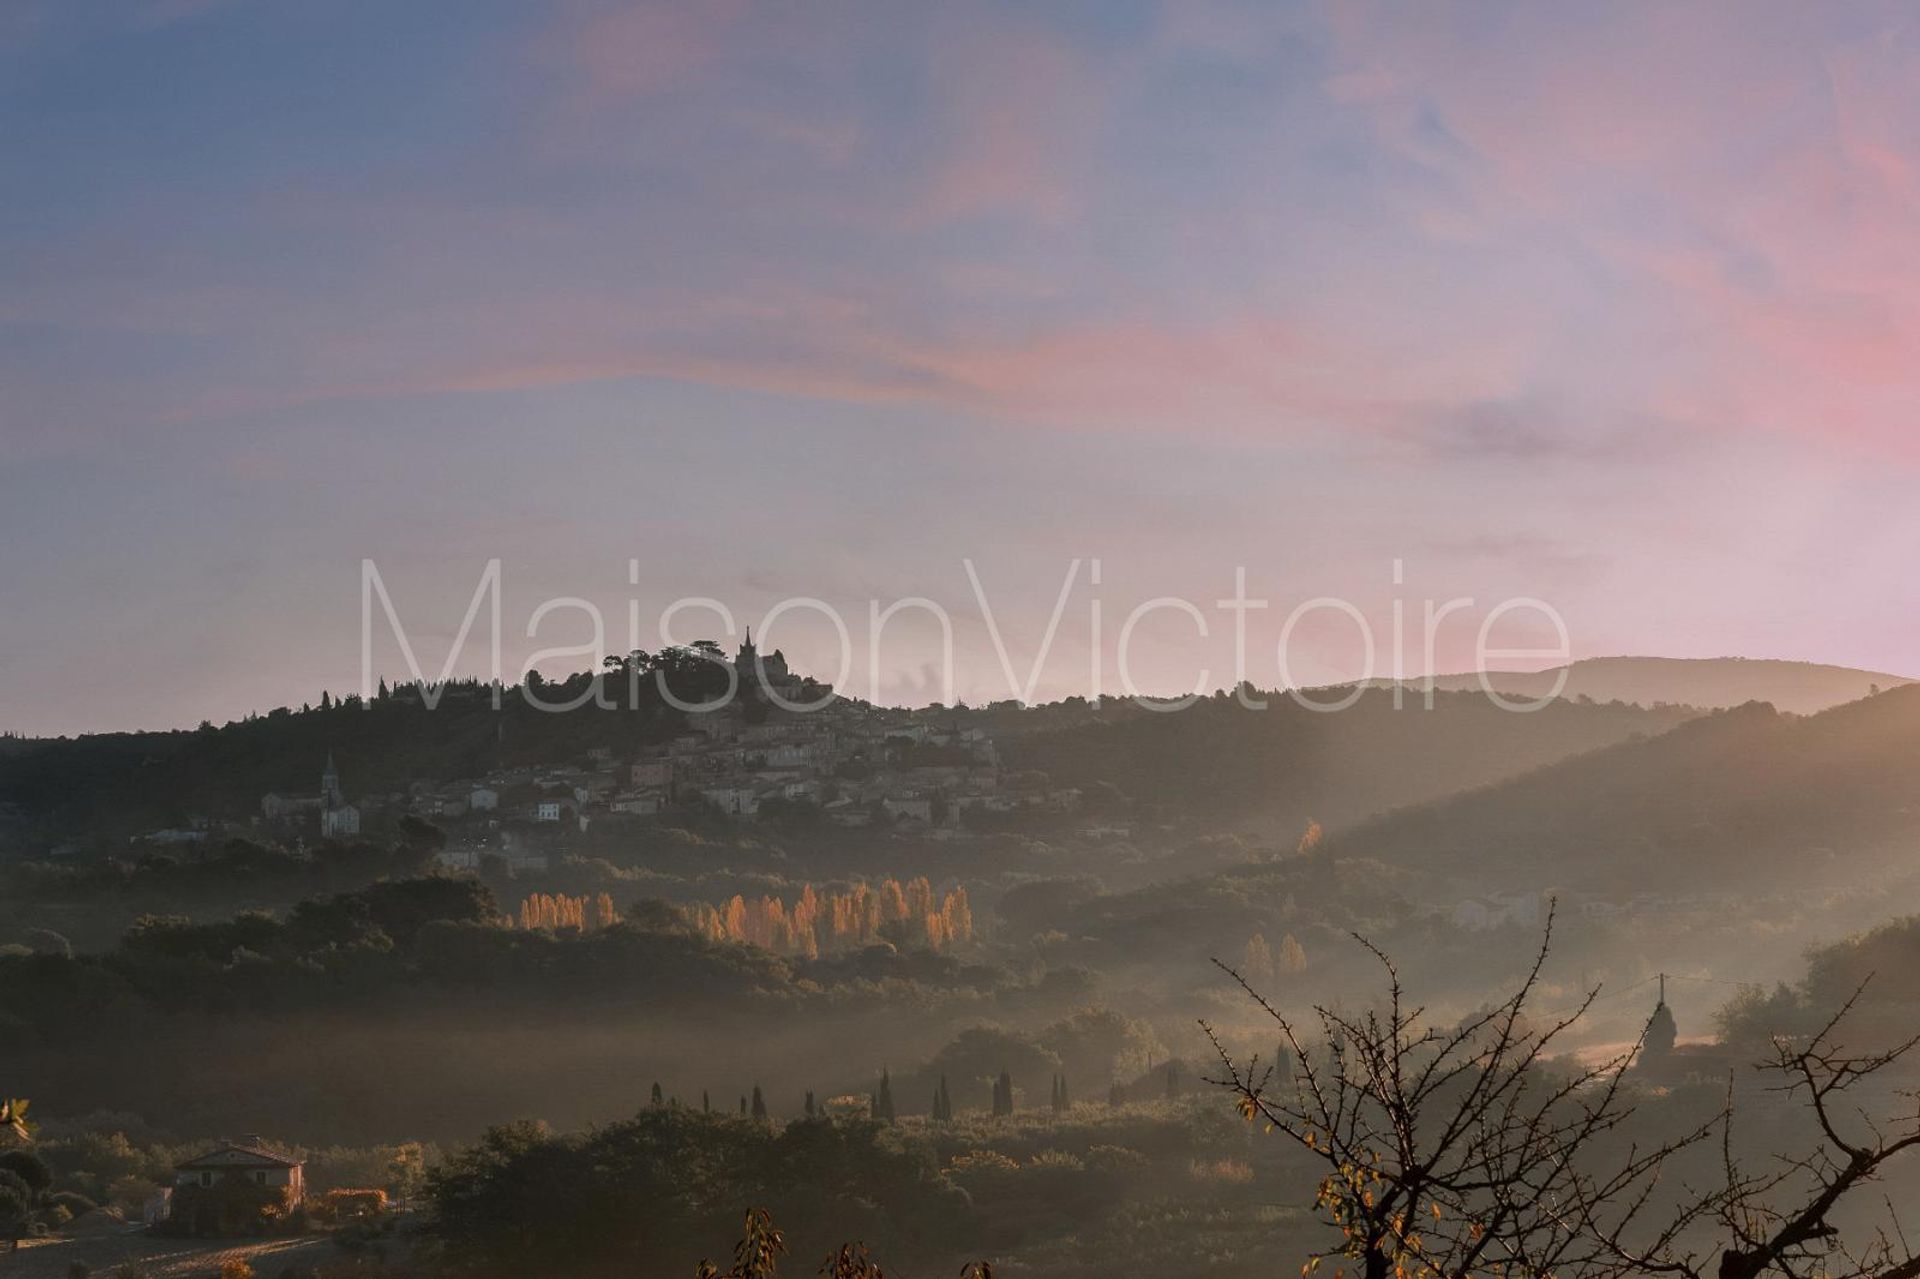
{"x": 238, "y": 1188}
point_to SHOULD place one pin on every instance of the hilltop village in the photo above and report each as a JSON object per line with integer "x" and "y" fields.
{"x": 747, "y": 758}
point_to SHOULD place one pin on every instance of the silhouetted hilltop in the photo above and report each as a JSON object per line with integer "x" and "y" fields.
{"x": 1726, "y": 802}
{"x": 1801, "y": 688}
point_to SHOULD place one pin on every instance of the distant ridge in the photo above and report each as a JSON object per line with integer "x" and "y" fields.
{"x": 1800, "y": 688}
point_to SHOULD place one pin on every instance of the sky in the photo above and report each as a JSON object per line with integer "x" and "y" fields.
{"x": 1611, "y": 307}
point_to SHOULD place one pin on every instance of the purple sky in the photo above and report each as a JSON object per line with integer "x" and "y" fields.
{"x": 1614, "y": 306}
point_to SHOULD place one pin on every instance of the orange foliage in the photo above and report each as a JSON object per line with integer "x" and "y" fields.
{"x": 838, "y": 921}
{"x": 557, "y": 910}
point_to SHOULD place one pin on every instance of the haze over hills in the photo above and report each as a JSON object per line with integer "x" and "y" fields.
{"x": 1799, "y": 688}
{"x": 1288, "y": 764}
{"x": 1743, "y": 800}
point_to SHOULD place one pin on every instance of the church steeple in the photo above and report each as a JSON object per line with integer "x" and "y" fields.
{"x": 1662, "y": 1032}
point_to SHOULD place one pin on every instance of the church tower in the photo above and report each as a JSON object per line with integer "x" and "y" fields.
{"x": 338, "y": 818}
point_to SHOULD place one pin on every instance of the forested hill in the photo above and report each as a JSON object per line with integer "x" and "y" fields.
{"x": 1289, "y": 764}
{"x": 1745, "y": 799}
{"x": 127, "y": 782}
{"x": 1217, "y": 761}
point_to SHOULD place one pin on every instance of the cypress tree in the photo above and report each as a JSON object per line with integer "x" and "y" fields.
{"x": 883, "y": 1101}
{"x": 657, "y": 1098}
{"x": 1066, "y": 1102}
{"x": 1003, "y": 1094}
{"x": 943, "y": 1100}
{"x": 743, "y": 1103}
{"x": 812, "y": 1110}
{"x": 759, "y": 1104}
{"x": 706, "y": 1103}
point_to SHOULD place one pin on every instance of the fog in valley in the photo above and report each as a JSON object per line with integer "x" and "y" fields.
{"x": 713, "y": 639}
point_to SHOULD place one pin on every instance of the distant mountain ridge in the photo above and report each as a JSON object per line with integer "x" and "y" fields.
{"x": 1711, "y": 683}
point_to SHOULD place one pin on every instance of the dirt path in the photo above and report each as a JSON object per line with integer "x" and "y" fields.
{"x": 164, "y": 1258}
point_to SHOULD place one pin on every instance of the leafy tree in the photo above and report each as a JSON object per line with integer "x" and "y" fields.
{"x": 30, "y": 1168}
{"x": 1256, "y": 959}
{"x": 1309, "y": 838}
{"x": 526, "y": 1202}
{"x": 757, "y": 1254}
{"x": 16, "y": 1213}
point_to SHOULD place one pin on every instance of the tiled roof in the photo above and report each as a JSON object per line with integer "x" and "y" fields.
{"x": 235, "y": 1155}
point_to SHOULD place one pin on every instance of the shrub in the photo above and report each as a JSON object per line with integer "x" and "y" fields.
{"x": 1232, "y": 1172}
{"x": 1115, "y": 1159}
{"x": 76, "y": 1204}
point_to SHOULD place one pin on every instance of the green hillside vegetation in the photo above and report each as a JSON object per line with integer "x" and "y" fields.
{"x": 119, "y": 784}
{"x": 1215, "y": 761}
{"x": 1881, "y": 966}
{"x": 328, "y": 1018}
{"x": 1291, "y": 764}
{"x": 1748, "y": 796}
{"x": 1078, "y": 1187}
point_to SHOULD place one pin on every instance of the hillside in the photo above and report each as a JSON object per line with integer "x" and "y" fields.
{"x": 1746, "y": 798}
{"x": 1288, "y": 764}
{"x": 1800, "y": 688}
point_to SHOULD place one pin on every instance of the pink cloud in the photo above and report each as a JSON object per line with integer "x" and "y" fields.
{"x": 1020, "y": 112}
{"x": 649, "y": 47}
{"x": 1752, "y": 186}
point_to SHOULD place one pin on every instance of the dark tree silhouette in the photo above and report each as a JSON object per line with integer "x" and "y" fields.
{"x": 1003, "y": 1094}
{"x": 1451, "y": 1152}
